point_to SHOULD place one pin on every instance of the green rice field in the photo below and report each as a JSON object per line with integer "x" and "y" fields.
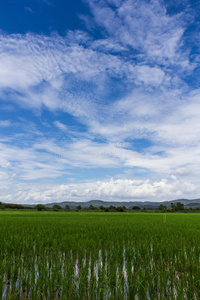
{"x": 80, "y": 255}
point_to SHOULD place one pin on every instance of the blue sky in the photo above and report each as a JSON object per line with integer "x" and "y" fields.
{"x": 99, "y": 100}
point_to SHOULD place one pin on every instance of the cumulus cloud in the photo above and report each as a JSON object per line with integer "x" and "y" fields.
{"x": 129, "y": 190}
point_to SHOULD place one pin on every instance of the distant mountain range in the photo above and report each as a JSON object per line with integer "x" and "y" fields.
{"x": 148, "y": 205}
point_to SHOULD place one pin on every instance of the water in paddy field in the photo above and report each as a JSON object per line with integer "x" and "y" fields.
{"x": 125, "y": 274}
{"x": 99, "y": 256}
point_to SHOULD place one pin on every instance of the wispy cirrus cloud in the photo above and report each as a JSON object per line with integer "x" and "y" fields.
{"x": 5, "y": 123}
{"x": 60, "y": 125}
{"x": 27, "y": 8}
{"x": 145, "y": 27}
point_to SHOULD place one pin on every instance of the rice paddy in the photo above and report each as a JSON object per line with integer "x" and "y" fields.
{"x": 79, "y": 255}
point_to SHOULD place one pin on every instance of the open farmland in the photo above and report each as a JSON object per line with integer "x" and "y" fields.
{"x": 72, "y": 255}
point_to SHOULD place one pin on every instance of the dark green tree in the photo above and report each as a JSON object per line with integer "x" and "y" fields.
{"x": 2, "y": 206}
{"x": 162, "y": 207}
{"x": 13, "y": 206}
{"x": 56, "y": 207}
{"x": 41, "y": 207}
{"x": 179, "y": 206}
{"x": 112, "y": 208}
{"x": 135, "y": 208}
{"x": 120, "y": 208}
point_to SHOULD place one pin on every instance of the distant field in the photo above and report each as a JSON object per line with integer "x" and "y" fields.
{"x": 79, "y": 255}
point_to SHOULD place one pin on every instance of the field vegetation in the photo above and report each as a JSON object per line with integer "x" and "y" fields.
{"x": 84, "y": 255}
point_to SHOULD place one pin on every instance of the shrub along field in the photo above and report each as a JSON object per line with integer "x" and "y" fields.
{"x": 69, "y": 255}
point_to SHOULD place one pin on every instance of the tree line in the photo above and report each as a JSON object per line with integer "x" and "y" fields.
{"x": 175, "y": 207}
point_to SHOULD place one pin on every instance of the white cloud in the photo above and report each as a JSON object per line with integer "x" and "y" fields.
{"x": 60, "y": 125}
{"x": 144, "y": 26}
{"x": 147, "y": 75}
{"x": 29, "y": 9}
{"x": 4, "y": 163}
{"x": 161, "y": 118}
{"x": 118, "y": 190}
{"x": 4, "y": 176}
{"x": 45, "y": 69}
{"x": 29, "y": 164}
{"x": 181, "y": 172}
{"x": 5, "y": 123}
{"x": 51, "y": 158}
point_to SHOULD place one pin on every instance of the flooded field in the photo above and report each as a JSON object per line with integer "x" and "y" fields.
{"x": 49, "y": 255}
